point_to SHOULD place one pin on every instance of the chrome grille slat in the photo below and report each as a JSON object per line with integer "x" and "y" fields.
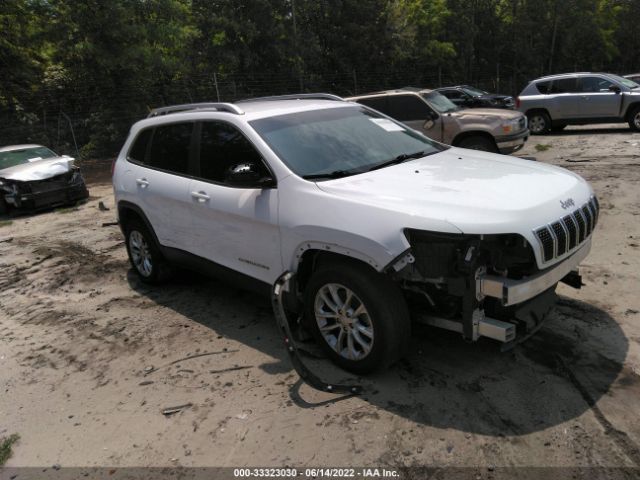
{"x": 566, "y": 234}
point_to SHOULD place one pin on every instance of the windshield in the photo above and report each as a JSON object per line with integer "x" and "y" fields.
{"x": 625, "y": 81}
{"x": 24, "y": 155}
{"x": 439, "y": 102}
{"x": 474, "y": 92}
{"x": 340, "y": 141}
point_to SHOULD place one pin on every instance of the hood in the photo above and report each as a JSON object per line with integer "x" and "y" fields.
{"x": 38, "y": 169}
{"x": 492, "y": 113}
{"x": 477, "y": 192}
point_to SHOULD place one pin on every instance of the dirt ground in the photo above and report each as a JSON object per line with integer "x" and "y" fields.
{"x": 90, "y": 357}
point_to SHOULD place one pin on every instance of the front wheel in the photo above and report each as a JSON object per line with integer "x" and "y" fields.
{"x": 539, "y": 123}
{"x": 634, "y": 120}
{"x": 358, "y": 316}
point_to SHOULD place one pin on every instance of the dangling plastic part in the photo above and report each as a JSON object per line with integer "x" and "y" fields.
{"x": 279, "y": 288}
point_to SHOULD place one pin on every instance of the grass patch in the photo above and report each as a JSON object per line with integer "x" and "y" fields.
{"x": 5, "y": 447}
{"x": 542, "y": 147}
{"x": 6, "y": 223}
{"x": 67, "y": 210}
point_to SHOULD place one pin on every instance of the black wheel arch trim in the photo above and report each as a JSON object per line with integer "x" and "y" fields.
{"x": 124, "y": 205}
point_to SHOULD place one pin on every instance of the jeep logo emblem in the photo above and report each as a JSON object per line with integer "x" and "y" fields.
{"x": 567, "y": 203}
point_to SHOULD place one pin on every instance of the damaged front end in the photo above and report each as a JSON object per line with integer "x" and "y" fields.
{"x": 26, "y": 193}
{"x": 481, "y": 285}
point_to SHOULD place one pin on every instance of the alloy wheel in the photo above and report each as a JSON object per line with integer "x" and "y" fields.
{"x": 140, "y": 253}
{"x": 343, "y": 321}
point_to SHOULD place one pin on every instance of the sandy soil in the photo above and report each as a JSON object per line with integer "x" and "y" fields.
{"x": 90, "y": 357}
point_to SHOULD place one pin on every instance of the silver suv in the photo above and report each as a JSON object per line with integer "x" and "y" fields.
{"x": 551, "y": 103}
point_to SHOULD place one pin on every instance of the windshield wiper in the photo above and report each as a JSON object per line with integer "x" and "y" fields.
{"x": 334, "y": 174}
{"x": 399, "y": 159}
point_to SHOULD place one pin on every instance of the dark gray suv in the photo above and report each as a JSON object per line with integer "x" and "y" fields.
{"x": 552, "y": 103}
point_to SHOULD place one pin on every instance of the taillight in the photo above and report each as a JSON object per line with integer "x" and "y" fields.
{"x": 517, "y": 102}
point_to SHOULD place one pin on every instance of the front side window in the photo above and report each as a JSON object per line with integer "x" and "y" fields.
{"x": 407, "y": 108}
{"x": 24, "y": 155}
{"x": 594, "y": 84}
{"x": 223, "y": 146}
{"x": 340, "y": 141}
{"x": 439, "y": 102}
{"x": 473, "y": 92}
{"x": 170, "y": 147}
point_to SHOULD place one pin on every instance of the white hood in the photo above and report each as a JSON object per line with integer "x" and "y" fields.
{"x": 38, "y": 169}
{"x": 478, "y": 192}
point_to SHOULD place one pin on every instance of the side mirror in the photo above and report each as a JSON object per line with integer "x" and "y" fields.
{"x": 430, "y": 120}
{"x": 614, "y": 88}
{"x": 247, "y": 175}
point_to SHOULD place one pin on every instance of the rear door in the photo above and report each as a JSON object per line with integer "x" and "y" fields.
{"x": 234, "y": 227}
{"x": 160, "y": 180}
{"x": 596, "y": 100}
{"x": 565, "y": 98}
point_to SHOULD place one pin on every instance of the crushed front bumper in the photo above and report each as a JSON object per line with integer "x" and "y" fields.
{"x": 29, "y": 196}
{"x": 512, "y": 292}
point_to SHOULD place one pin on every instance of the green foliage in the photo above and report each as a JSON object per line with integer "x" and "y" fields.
{"x": 6, "y": 443}
{"x": 104, "y": 64}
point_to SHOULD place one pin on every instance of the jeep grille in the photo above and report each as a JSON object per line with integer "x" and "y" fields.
{"x": 568, "y": 233}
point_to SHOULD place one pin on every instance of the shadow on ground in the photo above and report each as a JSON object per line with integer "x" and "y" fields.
{"x": 443, "y": 382}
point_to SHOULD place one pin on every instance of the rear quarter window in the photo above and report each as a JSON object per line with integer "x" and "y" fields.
{"x": 138, "y": 151}
{"x": 543, "y": 87}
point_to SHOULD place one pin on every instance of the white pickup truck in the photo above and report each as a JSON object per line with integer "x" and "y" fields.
{"x": 373, "y": 222}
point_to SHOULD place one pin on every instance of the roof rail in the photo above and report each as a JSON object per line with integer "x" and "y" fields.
{"x": 221, "y": 107}
{"x": 295, "y": 96}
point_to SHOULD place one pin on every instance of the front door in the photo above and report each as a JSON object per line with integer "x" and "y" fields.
{"x": 233, "y": 227}
{"x": 596, "y": 100}
{"x": 414, "y": 112}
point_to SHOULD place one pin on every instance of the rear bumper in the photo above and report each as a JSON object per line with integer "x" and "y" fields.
{"x": 512, "y": 292}
{"x": 512, "y": 143}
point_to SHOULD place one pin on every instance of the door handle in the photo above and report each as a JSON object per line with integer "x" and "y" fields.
{"x": 142, "y": 182}
{"x": 200, "y": 196}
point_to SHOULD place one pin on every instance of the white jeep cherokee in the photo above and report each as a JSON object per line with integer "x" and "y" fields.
{"x": 372, "y": 220}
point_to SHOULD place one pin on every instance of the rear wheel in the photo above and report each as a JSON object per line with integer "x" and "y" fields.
{"x": 358, "y": 316}
{"x": 478, "y": 143}
{"x": 539, "y": 123}
{"x": 144, "y": 255}
{"x": 4, "y": 208}
{"x": 634, "y": 120}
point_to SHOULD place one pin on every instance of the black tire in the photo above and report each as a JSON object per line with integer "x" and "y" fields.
{"x": 386, "y": 311}
{"x": 4, "y": 208}
{"x": 559, "y": 127}
{"x": 157, "y": 270}
{"x": 478, "y": 142}
{"x": 539, "y": 123}
{"x": 634, "y": 119}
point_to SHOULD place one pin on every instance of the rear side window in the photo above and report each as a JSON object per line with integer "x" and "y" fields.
{"x": 221, "y": 147}
{"x": 564, "y": 85}
{"x": 408, "y": 107}
{"x": 138, "y": 151}
{"x": 170, "y": 147}
{"x": 377, "y": 103}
